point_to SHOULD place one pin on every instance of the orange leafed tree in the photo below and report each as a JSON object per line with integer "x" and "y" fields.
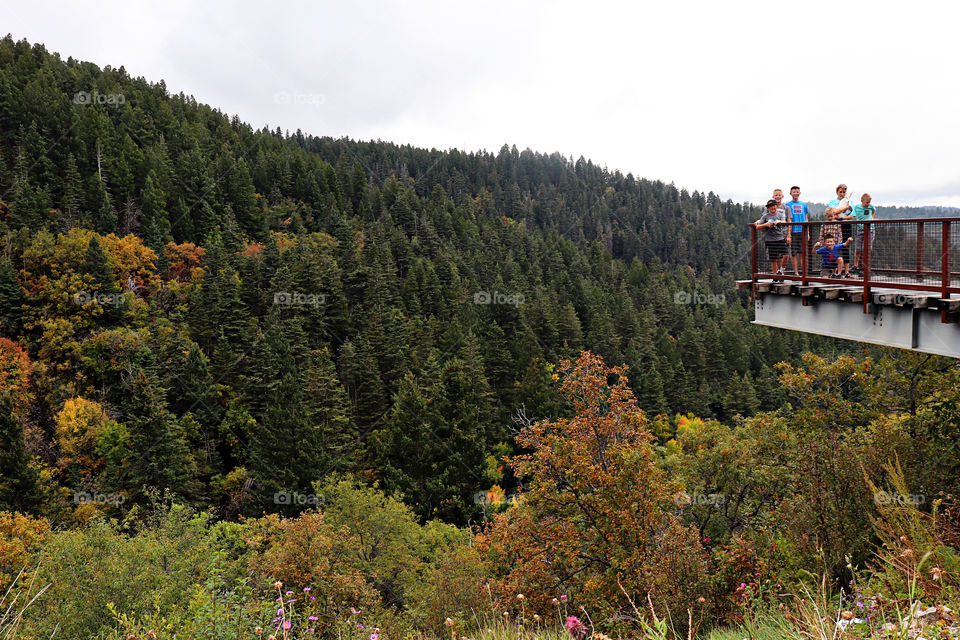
{"x": 596, "y": 510}
{"x": 15, "y": 374}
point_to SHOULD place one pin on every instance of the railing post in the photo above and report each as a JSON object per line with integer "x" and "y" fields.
{"x": 866, "y": 261}
{"x": 753, "y": 253}
{"x": 804, "y": 250}
{"x": 919, "y": 250}
{"x": 944, "y": 265}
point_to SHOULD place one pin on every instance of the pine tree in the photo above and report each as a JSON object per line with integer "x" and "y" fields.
{"x": 18, "y": 479}
{"x": 163, "y": 459}
{"x": 106, "y": 215}
{"x": 11, "y": 300}
{"x": 72, "y": 203}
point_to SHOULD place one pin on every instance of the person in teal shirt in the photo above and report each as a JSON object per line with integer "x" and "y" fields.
{"x": 841, "y": 206}
{"x": 863, "y": 211}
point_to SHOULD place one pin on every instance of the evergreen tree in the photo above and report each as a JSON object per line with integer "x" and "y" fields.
{"x": 11, "y": 300}
{"x": 18, "y": 479}
{"x": 163, "y": 459}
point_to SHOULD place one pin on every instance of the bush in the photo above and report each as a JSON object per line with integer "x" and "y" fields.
{"x": 596, "y": 517}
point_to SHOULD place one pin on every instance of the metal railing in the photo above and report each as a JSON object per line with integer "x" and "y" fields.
{"x": 921, "y": 255}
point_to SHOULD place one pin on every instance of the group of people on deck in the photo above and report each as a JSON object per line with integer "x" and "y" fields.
{"x": 783, "y": 237}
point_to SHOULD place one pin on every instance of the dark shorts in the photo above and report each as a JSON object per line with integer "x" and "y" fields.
{"x": 859, "y": 240}
{"x": 776, "y": 249}
{"x": 795, "y": 243}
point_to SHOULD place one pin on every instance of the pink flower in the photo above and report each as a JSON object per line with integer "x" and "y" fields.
{"x": 575, "y": 628}
{"x": 312, "y": 618}
{"x": 286, "y": 624}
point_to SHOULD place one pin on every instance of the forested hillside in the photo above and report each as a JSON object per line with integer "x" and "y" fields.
{"x": 259, "y": 384}
{"x": 231, "y": 313}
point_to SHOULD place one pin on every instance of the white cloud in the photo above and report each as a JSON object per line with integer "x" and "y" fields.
{"x": 733, "y": 97}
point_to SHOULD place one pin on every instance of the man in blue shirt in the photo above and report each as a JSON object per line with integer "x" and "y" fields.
{"x": 798, "y": 213}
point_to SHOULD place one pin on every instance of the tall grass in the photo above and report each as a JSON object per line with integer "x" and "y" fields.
{"x": 15, "y": 601}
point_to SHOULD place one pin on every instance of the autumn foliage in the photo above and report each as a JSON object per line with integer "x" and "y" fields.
{"x": 596, "y": 509}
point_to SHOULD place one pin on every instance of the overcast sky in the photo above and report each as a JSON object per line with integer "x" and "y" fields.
{"x": 733, "y": 97}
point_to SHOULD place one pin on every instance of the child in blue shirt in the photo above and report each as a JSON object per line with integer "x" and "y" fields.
{"x": 832, "y": 265}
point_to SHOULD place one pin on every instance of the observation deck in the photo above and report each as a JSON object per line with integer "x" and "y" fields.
{"x": 906, "y": 293}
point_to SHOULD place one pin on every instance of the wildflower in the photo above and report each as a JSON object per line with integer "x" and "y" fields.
{"x": 519, "y": 596}
{"x": 506, "y": 614}
{"x": 258, "y": 631}
{"x": 359, "y": 626}
{"x": 701, "y": 599}
{"x": 286, "y": 624}
{"x": 312, "y": 618}
{"x": 313, "y": 597}
{"x": 563, "y": 597}
{"x": 271, "y": 637}
{"x": 289, "y": 593}
{"x": 555, "y": 601}
{"x": 936, "y": 573}
{"x": 354, "y": 611}
{"x": 847, "y": 615}
{"x": 280, "y": 611}
{"x": 536, "y": 618}
{"x": 374, "y": 636}
{"x": 448, "y": 622}
{"x": 277, "y": 584}
{"x": 306, "y": 588}
{"x": 575, "y": 628}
